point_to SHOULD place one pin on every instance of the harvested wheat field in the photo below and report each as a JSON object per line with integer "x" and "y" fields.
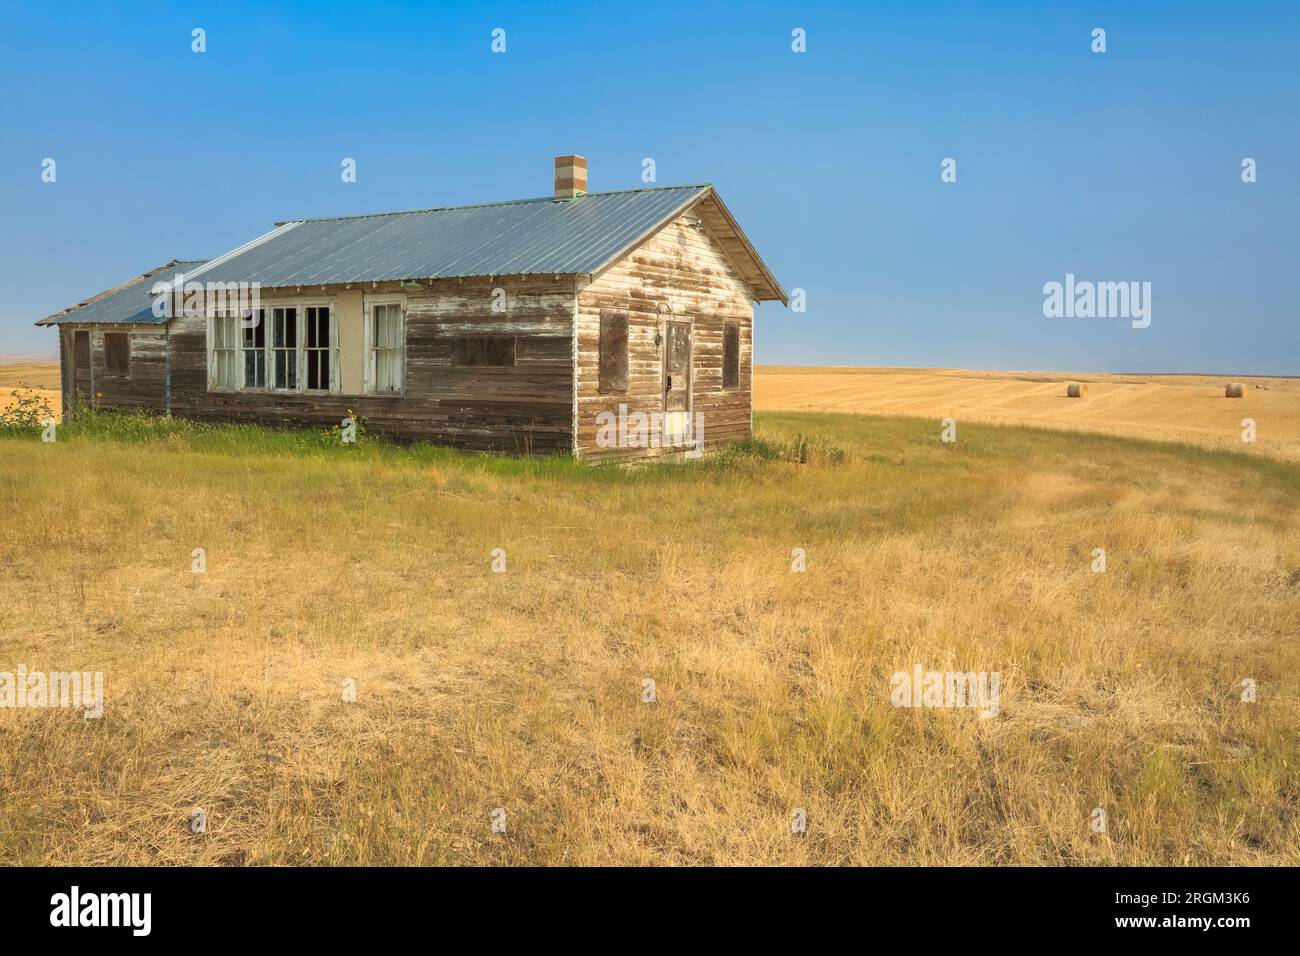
{"x": 1181, "y": 408}
{"x": 527, "y": 690}
{"x": 31, "y": 376}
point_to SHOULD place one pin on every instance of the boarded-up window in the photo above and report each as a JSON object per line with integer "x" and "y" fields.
{"x": 117, "y": 352}
{"x": 613, "y": 352}
{"x": 477, "y": 350}
{"x": 731, "y": 356}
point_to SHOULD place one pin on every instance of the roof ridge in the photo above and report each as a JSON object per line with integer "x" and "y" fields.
{"x": 503, "y": 202}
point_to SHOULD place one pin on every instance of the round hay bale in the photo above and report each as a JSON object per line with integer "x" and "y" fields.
{"x": 1235, "y": 390}
{"x": 1076, "y": 390}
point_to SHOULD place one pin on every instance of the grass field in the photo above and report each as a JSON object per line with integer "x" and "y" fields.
{"x": 523, "y": 690}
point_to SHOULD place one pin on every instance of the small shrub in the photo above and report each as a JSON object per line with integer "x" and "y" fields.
{"x": 28, "y": 412}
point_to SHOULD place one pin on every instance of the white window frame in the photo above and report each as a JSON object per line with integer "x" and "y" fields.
{"x": 268, "y": 307}
{"x": 368, "y": 303}
{"x": 236, "y": 349}
{"x": 267, "y": 371}
{"x": 271, "y": 349}
{"x": 303, "y": 305}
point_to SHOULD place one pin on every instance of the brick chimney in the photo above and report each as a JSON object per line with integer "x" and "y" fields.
{"x": 570, "y": 176}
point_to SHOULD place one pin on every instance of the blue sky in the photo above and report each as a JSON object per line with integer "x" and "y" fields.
{"x": 1115, "y": 166}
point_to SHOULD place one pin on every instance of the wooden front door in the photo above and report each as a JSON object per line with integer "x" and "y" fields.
{"x": 677, "y": 367}
{"x": 677, "y": 384}
{"x": 81, "y": 382}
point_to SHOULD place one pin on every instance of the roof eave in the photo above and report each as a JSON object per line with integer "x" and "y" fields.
{"x": 53, "y": 317}
{"x": 774, "y": 287}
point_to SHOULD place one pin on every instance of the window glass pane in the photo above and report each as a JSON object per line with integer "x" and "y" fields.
{"x": 284, "y": 338}
{"x": 255, "y": 334}
{"x": 386, "y": 347}
{"x": 254, "y": 369}
{"x": 225, "y": 339}
{"x": 317, "y": 336}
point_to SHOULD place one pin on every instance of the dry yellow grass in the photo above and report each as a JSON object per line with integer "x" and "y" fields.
{"x": 523, "y": 690}
{"x": 1183, "y": 408}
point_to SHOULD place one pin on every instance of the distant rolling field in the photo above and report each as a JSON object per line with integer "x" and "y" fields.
{"x": 1182, "y": 408}
{"x": 33, "y": 376}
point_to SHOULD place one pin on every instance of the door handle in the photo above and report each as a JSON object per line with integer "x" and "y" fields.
{"x": 670, "y": 381}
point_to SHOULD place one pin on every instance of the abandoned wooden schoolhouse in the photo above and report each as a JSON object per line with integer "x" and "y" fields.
{"x": 530, "y": 327}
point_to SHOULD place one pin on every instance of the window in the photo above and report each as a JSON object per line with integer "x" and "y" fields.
{"x": 254, "y": 349}
{"x": 731, "y": 355}
{"x": 318, "y": 347}
{"x": 117, "y": 353}
{"x": 284, "y": 346}
{"x": 225, "y": 348}
{"x": 483, "y": 350}
{"x": 613, "y": 352}
{"x": 280, "y": 347}
{"x": 386, "y": 347}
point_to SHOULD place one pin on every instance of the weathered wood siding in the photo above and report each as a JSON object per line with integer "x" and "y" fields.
{"x": 142, "y": 387}
{"x": 525, "y": 408}
{"x": 681, "y": 273}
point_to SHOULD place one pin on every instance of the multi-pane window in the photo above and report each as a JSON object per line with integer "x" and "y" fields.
{"x": 284, "y": 346}
{"x": 279, "y": 347}
{"x": 225, "y": 350}
{"x": 253, "y": 347}
{"x": 386, "y": 347}
{"x": 317, "y": 347}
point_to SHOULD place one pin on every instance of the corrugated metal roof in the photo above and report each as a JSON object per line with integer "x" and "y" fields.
{"x": 130, "y": 302}
{"x": 531, "y": 236}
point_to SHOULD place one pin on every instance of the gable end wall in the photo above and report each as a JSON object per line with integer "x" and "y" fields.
{"x": 679, "y": 273}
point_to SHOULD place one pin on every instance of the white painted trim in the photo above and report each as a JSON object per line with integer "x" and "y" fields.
{"x": 210, "y": 318}
{"x": 330, "y": 303}
{"x": 271, "y": 349}
{"x": 368, "y": 302}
